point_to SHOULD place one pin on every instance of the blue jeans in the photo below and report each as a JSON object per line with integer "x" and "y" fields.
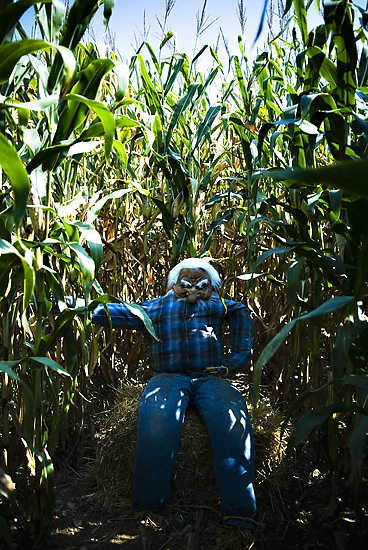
{"x": 160, "y": 421}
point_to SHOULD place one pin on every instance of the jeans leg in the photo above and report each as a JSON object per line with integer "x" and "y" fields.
{"x": 160, "y": 420}
{"x": 225, "y": 414}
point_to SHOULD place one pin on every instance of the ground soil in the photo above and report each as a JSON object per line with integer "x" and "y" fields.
{"x": 307, "y": 516}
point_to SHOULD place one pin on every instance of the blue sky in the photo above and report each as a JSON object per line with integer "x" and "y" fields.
{"x": 127, "y": 20}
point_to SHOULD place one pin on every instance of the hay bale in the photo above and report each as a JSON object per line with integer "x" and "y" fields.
{"x": 193, "y": 481}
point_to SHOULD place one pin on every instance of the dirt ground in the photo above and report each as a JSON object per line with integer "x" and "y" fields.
{"x": 307, "y": 516}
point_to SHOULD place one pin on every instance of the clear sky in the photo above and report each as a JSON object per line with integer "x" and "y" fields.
{"x": 127, "y": 21}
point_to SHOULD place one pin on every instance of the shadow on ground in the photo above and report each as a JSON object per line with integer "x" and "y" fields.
{"x": 307, "y": 516}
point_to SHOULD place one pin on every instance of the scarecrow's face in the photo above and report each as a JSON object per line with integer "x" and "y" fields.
{"x": 194, "y": 284}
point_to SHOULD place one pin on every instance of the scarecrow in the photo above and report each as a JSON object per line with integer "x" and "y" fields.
{"x": 190, "y": 368}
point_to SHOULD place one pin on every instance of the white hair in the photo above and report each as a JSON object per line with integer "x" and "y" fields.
{"x": 194, "y": 263}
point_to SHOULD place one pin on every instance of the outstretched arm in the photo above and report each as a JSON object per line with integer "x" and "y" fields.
{"x": 121, "y": 315}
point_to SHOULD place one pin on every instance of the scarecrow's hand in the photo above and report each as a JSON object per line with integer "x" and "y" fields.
{"x": 221, "y": 372}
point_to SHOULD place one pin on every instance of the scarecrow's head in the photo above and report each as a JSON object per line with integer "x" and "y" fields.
{"x": 194, "y": 279}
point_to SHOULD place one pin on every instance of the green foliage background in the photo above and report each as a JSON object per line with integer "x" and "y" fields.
{"x": 111, "y": 174}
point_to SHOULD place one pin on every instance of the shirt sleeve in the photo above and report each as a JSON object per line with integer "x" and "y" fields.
{"x": 121, "y": 317}
{"x": 241, "y": 332}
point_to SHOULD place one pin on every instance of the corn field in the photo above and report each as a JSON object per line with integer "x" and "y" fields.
{"x": 113, "y": 173}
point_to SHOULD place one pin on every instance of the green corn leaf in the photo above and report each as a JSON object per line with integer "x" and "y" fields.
{"x": 172, "y": 76}
{"x": 326, "y": 68}
{"x": 198, "y": 55}
{"x": 122, "y": 153}
{"x": 208, "y": 234}
{"x": 79, "y": 18}
{"x": 301, "y": 18}
{"x": 108, "y": 7}
{"x": 80, "y": 15}
{"x": 211, "y": 77}
{"x": 215, "y": 57}
{"x": 260, "y": 27}
{"x": 122, "y": 73}
{"x": 141, "y": 314}
{"x": 49, "y": 363}
{"x": 298, "y": 402}
{"x": 307, "y": 127}
{"x": 153, "y": 99}
{"x": 89, "y": 233}
{"x": 313, "y": 419}
{"x": 126, "y": 122}
{"x": 334, "y": 304}
{"x": 346, "y": 52}
{"x": 348, "y": 176}
{"x": 18, "y": 177}
{"x": 29, "y": 273}
{"x": 179, "y": 166}
{"x": 356, "y": 380}
{"x": 106, "y": 117}
{"x": 181, "y": 106}
{"x": 181, "y": 241}
{"x": 288, "y": 5}
{"x": 206, "y": 124}
{"x": 167, "y": 220}
{"x": 49, "y": 491}
{"x": 87, "y": 266}
{"x": 50, "y": 19}
{"x": 7, "y": 367}
{"x": 49, "y": 155}
{"x": 76, "y": 112}
{"x": 154, "y": 58}
{"x": 54, "y": 285}
{"x": 11, "y": 52}
{"x": 61, "y": 329}
{"x": 69, "y": 68}
{"x": 168, "y": 36}
{"x": 136, "y": 309}
{"x": 95, "y": 210}
{"x": 293, "y": 278}
{"x": 263, "y": 257}
{"x": 96, "y": 128}
{"x": 240, "y": 78}
{"x": 317, "y": 102}
{"x": 37, "y": 105}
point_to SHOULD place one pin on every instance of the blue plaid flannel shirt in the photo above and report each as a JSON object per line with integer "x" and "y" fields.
{"x": 190, "y": 334}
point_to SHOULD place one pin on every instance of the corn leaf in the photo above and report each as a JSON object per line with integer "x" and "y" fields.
{"x": 49, "y": 363}
{"x": 108, "y": 7}
{"x": 206, "y": 124}
{"x": 106, "y": 117}
{"x": 18, "y": 177}
{"x": 312, "y": 419}
{"x": 11, "y": 52}
{"x": 348, "y": 176}
{"x": 334, "y": 304}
